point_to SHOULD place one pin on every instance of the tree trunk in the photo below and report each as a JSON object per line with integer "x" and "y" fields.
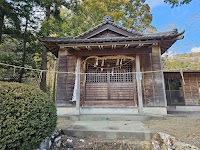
{"x": 24, "y": 53}
{"x": 43, "y": 84}
{"x": 1, "y": 25}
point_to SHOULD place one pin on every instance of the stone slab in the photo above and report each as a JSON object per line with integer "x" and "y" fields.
{"x": 114, "y": 117}
{"x": 183, "y": 108}
{"x": 135, "y": 130}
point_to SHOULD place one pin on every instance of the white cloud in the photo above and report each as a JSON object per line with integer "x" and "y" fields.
{"x": 195, "y": 49}
{"x": 169, "y": 53}
{"x": 155, "y": 3}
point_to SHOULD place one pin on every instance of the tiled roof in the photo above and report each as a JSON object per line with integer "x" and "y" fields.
{"x": 165, "y": 39}
{"x": 145, "y": 37}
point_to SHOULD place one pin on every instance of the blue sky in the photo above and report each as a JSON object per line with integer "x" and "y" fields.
{"x": 186, "y": 17}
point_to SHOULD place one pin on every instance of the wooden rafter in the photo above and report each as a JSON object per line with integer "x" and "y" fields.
{"x": 140, "y": 45}
{"x": 154, "y": 44}
{"x": 113, "y": 46}
{"x": 76, "y": 48}
{"x": 88, "y": 48}
{"x": 126, "y": 46}
{"x": 100, "y": 47}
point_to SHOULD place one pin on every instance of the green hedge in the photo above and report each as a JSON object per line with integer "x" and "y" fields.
{"x": 27, "y": 116}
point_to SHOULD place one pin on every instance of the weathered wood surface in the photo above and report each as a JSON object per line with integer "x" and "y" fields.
{"x": 61, "y": 93}
{"x": 96, "y": 91}
{"x": 107, "y": 33}
{"x": 139, "y": 85}
{"x": 106, "y": 103}
{"x": 147, "y": 80}
{"x": 65, "y": 82}
{"x": 78, "y": 82}
{"x": 119, "y": 50}
{"x": 158, "y": 79}
{"x": 118, "y": 91}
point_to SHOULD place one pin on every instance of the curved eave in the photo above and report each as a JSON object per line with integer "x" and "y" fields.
{"x": 165, "y": 45}
{"x": 165, "y": 41}
{"x": 53, "y": 48}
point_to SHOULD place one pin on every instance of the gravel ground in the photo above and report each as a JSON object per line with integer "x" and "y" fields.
{"x": 185, "y": 126}
{"x": 63, "y": 123}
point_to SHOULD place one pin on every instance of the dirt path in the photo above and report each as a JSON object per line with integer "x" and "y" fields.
{"x": 185, "y": 128}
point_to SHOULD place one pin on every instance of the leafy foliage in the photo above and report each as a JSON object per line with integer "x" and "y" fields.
{"x": 11, "y": 53}
{"x": 187, "y": 61}
{"x": 175, "y": 3}
{"x": 84, "y": 15}
{"x": 27, "y": 116}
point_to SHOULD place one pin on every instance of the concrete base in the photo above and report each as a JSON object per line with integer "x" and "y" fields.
{"x": 63, "y": 111}
{"x": 114, "y": 117}
{"x": 155, "y": 110}
{"x": 134, "y": 130}
{"x": 108, "y": 110}
{"x": 183, "y": 108}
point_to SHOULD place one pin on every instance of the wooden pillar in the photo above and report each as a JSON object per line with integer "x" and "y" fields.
{"x": 78, "y": 85}
{"x": 139, "y": 85}
{"x": 158, "y": 81}
{"x": 61, "y": 94}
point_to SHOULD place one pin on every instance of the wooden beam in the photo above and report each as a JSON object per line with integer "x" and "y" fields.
{"x": 106, "y": 103}
{"x": 64, "y": 47}
{"x": 108, "y": 43}
{"x": 107, "y": 52}
{"x": 158, "y": 80}
{"x": 139, "y": 85}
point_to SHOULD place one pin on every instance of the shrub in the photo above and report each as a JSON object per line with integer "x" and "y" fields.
{"x": 27, "y": 116}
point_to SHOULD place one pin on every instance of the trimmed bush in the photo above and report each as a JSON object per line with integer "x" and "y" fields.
{"x": 27, "y": 116}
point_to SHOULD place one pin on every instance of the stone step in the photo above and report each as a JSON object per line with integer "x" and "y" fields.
{"x": 108, "y": 117}
{"x": 134, "y": 130}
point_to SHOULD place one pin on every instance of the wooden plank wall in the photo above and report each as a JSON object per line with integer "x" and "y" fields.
{"x": 71, "y": 66}
{"x": 191, "y": 88}
{"x": 153, "y": 83}
{"x": 96, "y": 91}
{"x": 65, "y": 82}
{"x": 121, "y": 91}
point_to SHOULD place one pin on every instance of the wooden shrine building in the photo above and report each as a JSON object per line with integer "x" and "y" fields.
{"x": 111, "y": 67}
